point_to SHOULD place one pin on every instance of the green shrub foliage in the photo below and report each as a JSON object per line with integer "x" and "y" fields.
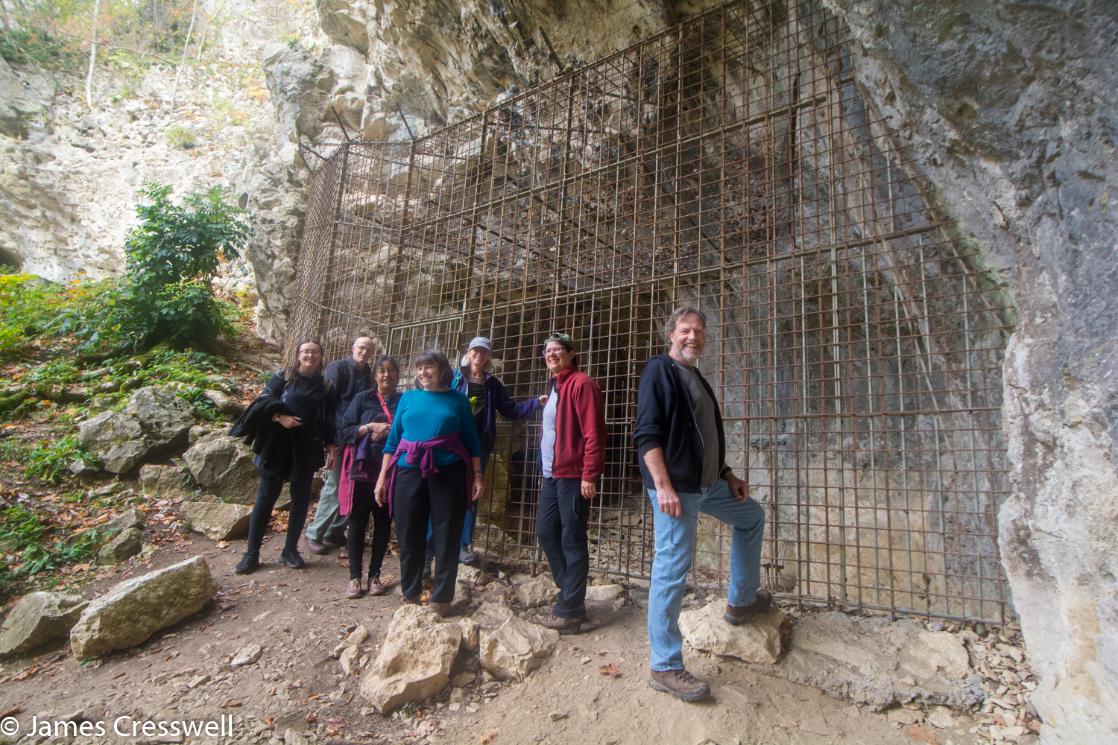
{"x": 166, "y": 295}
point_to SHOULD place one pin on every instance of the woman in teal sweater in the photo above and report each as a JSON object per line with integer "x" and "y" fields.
{"x": 430, "y": 459}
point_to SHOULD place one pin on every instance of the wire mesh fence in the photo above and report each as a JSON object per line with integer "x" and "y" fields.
{"x": 730, "y": 163}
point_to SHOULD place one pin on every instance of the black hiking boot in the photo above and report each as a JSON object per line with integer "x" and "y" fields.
{"x": 248, "y": 564}
{"x": 291, "y": 559}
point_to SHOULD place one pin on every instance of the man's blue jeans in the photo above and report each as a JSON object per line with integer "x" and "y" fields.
{"x": 675, "y": 545}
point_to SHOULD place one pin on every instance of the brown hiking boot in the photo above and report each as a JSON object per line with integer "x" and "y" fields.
{"x": 443, "y": 609}
{"x": 680, "y": 683}
{"x": 558, "y": 623}
{"x": 737, "y": 615}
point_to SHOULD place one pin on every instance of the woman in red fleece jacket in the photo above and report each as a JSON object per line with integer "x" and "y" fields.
{"x": 572, "y": 450}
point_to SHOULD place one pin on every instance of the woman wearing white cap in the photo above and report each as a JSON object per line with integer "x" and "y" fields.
{"x": 488, "y": 397}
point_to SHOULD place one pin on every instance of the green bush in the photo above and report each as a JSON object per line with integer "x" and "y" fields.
{"x": 166, "y": 295}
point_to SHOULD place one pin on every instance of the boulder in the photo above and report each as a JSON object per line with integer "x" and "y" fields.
{"x": 155, "y": 422}
{"x": 471, "y": 575}
{"x": 508, "y": 646}
{"x": 601, "y": 597}
{"x": 533, "y": 592}
{"x": 762, "y": 640}
{"x": 217, "y": 520}
{"x": 880, "y": 662}
{"x": 133, "y": 610}
{"x": 164, "y": 482}
{"x": 224, "y": 403}
{"x": 123, "y": 546}
{"x": 222, "y": 465}
{"x": 414, "y": 661}
{"x": 126, "y": 532}
{"x": 39, "y": 620}
{"x": 131, "y": 519}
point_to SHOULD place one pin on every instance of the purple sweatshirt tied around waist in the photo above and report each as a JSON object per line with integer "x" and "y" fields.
{"x": 422, "y": 453}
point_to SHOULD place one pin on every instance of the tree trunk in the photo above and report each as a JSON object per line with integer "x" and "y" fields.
{"x": 185, "y": 46}
{"x": 92, "y": 56}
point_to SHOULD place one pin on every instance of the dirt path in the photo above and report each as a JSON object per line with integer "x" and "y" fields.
{"x": 297, "y": 690}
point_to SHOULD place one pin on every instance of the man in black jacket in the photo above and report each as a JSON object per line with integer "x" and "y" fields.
{"x": 345, "y": 378}
{"x": 682, "y": 448}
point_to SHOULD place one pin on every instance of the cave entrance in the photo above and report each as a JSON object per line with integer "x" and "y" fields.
{"x": 731, "y": 163}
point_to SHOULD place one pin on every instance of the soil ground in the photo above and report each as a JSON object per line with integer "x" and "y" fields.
{"x": 297, "y": 692}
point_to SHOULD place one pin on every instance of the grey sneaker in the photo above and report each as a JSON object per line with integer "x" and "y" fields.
{"x": 317, "y": 548}
{"x": 680, "y": 683}
{"x": 466, "y": 556}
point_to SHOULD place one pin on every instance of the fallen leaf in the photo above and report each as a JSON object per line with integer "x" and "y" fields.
{"x": 310, "y": 718}
{"x": 230, "y": 704}
{"x": 488, "y": 737}
{"x": 611, "y": 669}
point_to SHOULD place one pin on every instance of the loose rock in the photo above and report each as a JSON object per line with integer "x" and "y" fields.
{"x": 533, "y": 592}
{"x": 222, "y": 465}
{"x": 122, "y": 547}
{"x": 761, "y": 641}
{"x": 246, "y": 655}
{"x": 39, "y": 620}
{"x": 414, "y": 661}
{"x": 217, "y": 520}
{"x": 164, "y": 482}
{"x": 508, "y": 646}
{"x": 155, "y": 422}
{"x": 135, "y": 609}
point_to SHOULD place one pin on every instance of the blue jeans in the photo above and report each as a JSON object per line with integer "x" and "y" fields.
{"x": 675, "y": 546}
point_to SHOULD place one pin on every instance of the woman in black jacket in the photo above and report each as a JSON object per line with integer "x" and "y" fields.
{"x": 291, "y": 427}
{"x": 364, "y": 429}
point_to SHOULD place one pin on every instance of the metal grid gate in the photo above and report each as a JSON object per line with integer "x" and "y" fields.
{"x": 731, "y": 163}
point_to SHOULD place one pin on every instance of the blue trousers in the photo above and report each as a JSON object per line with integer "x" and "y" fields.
{"x": 562, "y": 530}
{"x": 675, "y": 547}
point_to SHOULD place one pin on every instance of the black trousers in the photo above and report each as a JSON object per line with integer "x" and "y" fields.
{"x": 441, "y": 498}
{"x": 363, "y": 507}
{"x": 562, "y": 530}
{"x": 266, "y": 495}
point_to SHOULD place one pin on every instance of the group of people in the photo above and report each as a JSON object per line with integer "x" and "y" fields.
{"x": 417, "y": 459}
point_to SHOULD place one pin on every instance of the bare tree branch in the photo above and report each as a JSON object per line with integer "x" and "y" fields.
{"x": 185, "y": 46}
{"x": 92, "y": 56}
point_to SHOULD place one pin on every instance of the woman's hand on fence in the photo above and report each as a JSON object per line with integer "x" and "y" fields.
{"x": 543, "y": 400}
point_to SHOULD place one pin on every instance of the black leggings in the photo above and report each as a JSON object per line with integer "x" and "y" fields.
{"x": 363, "y": 506}
{"x": 266, "y": 496}
{"x": 442, "y": 498}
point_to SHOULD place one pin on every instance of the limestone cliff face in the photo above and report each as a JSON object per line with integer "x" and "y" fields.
{"x": 1010, "y": 114}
